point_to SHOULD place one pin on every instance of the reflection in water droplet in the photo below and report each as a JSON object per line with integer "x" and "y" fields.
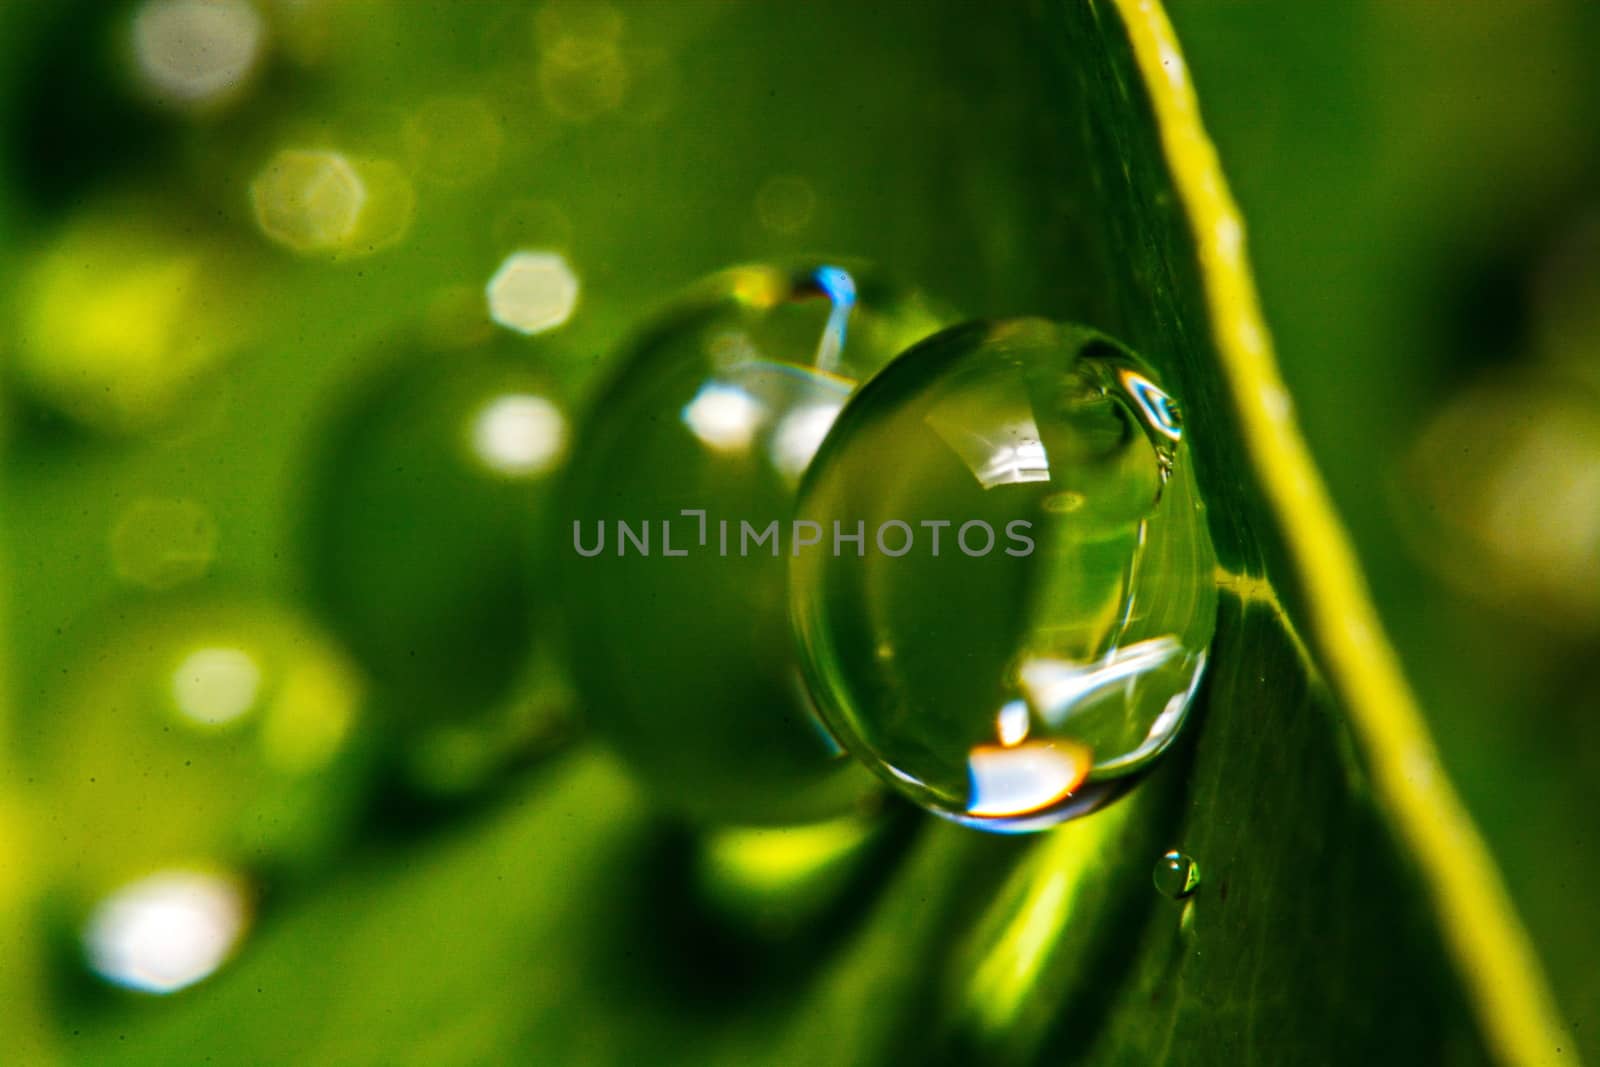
{"x": 161, "y": 544}
{"x": 1176, "y": 875}
{"x": 1013, "y": 723}
{"x": 1024, "y": 777}
{"x": 724, "y": 417}
{"x": 532, "y": 292}
{"x": 196, "y": 53}
{"x": 1080, "y": 606}
{"x": 167, "y": 931}
{"x": 686, "y": 663}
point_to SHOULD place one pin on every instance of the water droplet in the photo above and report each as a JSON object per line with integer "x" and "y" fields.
{"x": 1051, "y": 617}
{"x": 682, "y": 651}
{"x": 1176, "y": 875}
{"x": 200, "y": 729}
{"x": 425, "y": 499}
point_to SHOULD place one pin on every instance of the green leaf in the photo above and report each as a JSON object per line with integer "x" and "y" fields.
{"x": 1346, "y": 912}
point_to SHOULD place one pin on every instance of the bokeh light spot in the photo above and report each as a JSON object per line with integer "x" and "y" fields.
{"x": 724, "y": 417}
{"x": 532, "y": 292}
{"x": 519, "y": 435}
{"x": 124, "y": 314}
{"x": 216, "y": 686}
{"x": 308, "y": 199}
{"x": 196, "y": 53}
{"x": 166, "y": 932}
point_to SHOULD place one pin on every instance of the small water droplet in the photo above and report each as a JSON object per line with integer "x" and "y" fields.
{"x": 679, "y": 622}
{"x": 1176, "y": 875}
{"x": 1051, "y": 621}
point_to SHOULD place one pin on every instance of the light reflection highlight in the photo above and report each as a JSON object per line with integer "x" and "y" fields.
{"x": 1011, "y": 724}
{"x": 1009, "y": 453}
{"x": 532, "y": 292}
{"x": 168, "y": 931}
{"x": 724, "y": 417}
{"x": 1028, "y": 777}
{"x": 519, "y": 435}
{"x": 1057, "y": 687}
{"x": 799, "y": 435}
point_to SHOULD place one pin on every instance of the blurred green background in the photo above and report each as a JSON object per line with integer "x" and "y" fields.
{"x": 247, "y": 344}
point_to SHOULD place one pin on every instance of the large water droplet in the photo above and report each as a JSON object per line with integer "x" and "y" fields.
{"x": 1035, "y": 636}
{"x": 426, "y": 499}
{"x": 679, "y": 624}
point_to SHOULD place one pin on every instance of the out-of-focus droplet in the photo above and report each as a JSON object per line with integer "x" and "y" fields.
{"x": 196, "y": 54}
{"x": 1035, "y": 560}
{"x": 316, "y": 200}
{"x": 163, "y": 543}
{"x": 576, "y": 25}
{"x": 785, "y": 204}
{"x": 386, "y": 211}
{"x": 198, "y": 731}
{"x": 168, "y": 930}
{"x": 126, "y": 314}
{"x": 1501, "y": 496}
{"x": 426, "y": 496}
{"x": 682, "y": 651}
{"x": 1176, "y": 875}
{"x": 455, "y": 140}
{"x": 582, "y": 73}
{"x": 653, "y": 85}
{"x": 532, "y": 292}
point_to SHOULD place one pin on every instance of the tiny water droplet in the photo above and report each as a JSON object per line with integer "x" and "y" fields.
{"x": 1051, "y": 620}
{"x": 684, "y": 475}
{"x": 1176, "y": 875}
